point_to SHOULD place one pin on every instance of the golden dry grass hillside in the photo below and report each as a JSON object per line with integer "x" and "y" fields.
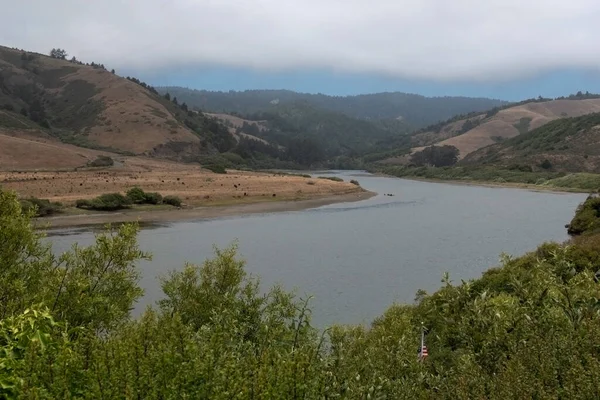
{"x": 234, "y": 123}
{"x": 505, "y": 124}
{"x": 91, "y": 107}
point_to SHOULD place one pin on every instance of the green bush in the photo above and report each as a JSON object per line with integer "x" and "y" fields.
{"x": 587, "y": 217}
{"x": 102, "y": 161}
{"x": 136, "y": 195}
{"x": 355, "y": 182}
{"x": 105, "y": 202}
{"x": 153, "y": 198}
{"x": 217, "y": 169}
{"x": 332, "y": 178}
{"x": 42, "y": 207}
{"x": 172, "y": 200}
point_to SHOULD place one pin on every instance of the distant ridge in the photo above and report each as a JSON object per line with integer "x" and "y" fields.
{"x": 415, "y": 110}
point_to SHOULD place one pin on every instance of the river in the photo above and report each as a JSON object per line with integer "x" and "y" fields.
{"x": 356, "y": 259}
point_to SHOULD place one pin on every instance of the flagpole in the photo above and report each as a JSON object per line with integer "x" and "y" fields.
{"x": 422, "y": 336}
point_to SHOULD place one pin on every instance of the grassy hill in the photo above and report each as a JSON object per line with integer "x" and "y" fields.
{"x": 475, "y": 131}
{"x": 566, "y": 145}
{"x": 414, "y": 110}
{"x": 88, "y": 106}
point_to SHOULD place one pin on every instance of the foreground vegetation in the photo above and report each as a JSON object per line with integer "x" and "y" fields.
{"x": 528, "y": 329}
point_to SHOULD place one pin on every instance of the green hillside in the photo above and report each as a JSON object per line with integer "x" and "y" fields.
{"x": 335, "y": 133}
{"x": 415, "y": 110}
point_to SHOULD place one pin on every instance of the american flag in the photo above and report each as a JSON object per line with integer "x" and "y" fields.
{"x": 423, "y": 352}
{"x": 423, "y": 349}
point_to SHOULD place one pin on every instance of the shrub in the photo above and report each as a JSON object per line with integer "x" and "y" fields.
{"x": 217, "y": 169}
{"x": 355, "y": 182}
{"x": 136, "y": 195}
{"x": 105, "y": 202}
{"x": 43, "y": 207}
{"x": 102, "y": 161}
{"x": 172, "y": 200}
{"x": 332, "y": 178}
{"x": 546, "y": 164}
{"x": 153, "y": 198}
{"x": 587, "y": 217}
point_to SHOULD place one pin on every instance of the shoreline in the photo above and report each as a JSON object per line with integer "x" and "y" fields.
{"x": 490, "y": 184}
{"x": 197, "y": 213}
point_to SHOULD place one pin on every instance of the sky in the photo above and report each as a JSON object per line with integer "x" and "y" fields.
{"x": 509, "y": 49}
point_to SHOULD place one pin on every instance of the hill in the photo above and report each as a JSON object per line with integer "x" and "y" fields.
{"x": 414, "y": 110}
{"x": 334, "y": 133}
{"x": 566, "y": 145}
{"x": 88, "y": 106}
{"x": 474, "y": 131}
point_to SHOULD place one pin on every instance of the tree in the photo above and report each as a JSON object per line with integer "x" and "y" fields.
{"x": 167, "y": 96}
{"x": 61, "y": 54}
{"x": 112, "y": 71}
{"x": 175, "y": 101}
{"x": 436, "y": 156}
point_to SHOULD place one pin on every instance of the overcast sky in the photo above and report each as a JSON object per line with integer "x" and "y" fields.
{"x": 445, "y": 41}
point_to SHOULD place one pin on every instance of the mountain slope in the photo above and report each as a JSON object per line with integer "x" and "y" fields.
{"x": 471, "y": 133}
{"x": 414, "y": 110}
{"x": 335, "y": 133}
{"x": 566, "y": 145}
{"x": 89, "y": 106}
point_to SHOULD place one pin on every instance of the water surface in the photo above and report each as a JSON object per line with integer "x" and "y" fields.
{"x": 358, "y": 258}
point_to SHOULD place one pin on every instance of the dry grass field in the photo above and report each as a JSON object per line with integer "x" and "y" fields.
{"x": 194, "y": 185}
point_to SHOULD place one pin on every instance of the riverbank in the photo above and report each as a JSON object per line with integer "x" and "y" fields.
{"x": 490, "y": 184}
{"x": 150, "y": 216}
{"x": 551, "y": 182}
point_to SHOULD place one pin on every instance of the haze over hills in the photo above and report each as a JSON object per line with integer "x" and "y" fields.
{"x": 415, "y": 110}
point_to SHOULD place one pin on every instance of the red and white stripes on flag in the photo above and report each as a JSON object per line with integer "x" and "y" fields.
{"x": 423, "y": 352}
{"x": 423, "y": 349}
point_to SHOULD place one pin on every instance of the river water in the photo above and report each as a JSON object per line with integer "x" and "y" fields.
{"x": 356, "y": 259}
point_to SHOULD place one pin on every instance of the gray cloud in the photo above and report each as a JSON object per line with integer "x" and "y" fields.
{"x": 432, "y": 39}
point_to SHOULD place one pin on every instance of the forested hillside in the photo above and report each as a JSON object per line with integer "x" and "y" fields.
{"x": 416, "y": 111}
{"x": 527, "y": 329}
